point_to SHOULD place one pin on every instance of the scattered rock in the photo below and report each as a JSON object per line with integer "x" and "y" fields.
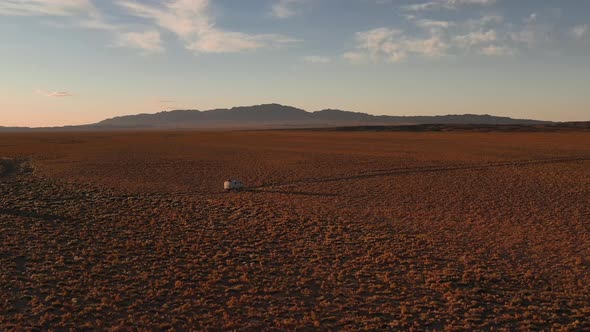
{"x": 11, "y": 166}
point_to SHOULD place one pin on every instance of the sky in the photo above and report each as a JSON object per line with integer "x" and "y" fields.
{"x": 67, "y": 62}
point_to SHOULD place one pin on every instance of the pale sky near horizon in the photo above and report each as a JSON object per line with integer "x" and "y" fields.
{"x": 66, "y": 62}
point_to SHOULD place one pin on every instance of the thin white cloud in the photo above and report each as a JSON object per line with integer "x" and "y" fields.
{"x": 496, "y": 50}
{"x": 580, "y": 31}
{"x": 192, "y": 21}
{"x": 317, "y": 59}
{"x": 483, "y": 22}
{"x": 394, "y": 45}
{"x": 147, "y": 41}
{"x": 54, "y": 94}
{"x": 476, "y": 38}
{"x": 447, "y": 4}
{"x": 287, "y": 8}
{"x": 470, "y": 2}
{"x": 46, "y": 7}
{"x": 219, "y": 41}
{"x": 355, "y": 57}
{"x": 98, "y": 23}
{"x": 430, "y": 24}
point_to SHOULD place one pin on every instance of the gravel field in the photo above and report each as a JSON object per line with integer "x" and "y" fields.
{"x": 335, "y": 231}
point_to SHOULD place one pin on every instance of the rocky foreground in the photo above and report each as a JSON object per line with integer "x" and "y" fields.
{"x": 461, "y": 245}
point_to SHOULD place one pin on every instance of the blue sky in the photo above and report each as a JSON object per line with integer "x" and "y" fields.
{"x": 80, "y": 61}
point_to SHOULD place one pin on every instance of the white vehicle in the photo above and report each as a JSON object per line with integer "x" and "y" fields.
{"x": 230, "y": 184}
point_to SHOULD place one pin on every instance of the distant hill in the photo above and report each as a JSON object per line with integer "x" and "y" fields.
{"x": 280, "y": 116}
{"x": 268, "y": 116}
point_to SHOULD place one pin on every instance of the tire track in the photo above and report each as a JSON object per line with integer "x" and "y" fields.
{"x": 431, "y": 169}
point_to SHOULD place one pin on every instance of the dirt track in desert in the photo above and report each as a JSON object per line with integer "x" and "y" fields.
{"x": 336, "y": 231}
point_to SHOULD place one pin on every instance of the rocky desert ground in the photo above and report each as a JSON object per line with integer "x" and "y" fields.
{"x": 335, "y": 231}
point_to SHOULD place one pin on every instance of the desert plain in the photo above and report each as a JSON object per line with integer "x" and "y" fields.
{"x": 334, "y": 231}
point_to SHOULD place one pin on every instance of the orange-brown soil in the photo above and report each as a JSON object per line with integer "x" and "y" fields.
{"x": 342, "y": 231}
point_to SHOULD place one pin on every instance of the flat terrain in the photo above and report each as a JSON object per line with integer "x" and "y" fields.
{"x": 337, "y": 230}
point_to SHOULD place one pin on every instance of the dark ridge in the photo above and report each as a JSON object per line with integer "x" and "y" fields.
{"x": 276, "y": 116}
{"x": 280, "y": 116}
{"x": 548, "y": 127}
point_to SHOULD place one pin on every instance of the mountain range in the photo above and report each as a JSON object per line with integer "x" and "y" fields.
{"x": 280, "y": 116}
{"x": 276, "y": 116}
